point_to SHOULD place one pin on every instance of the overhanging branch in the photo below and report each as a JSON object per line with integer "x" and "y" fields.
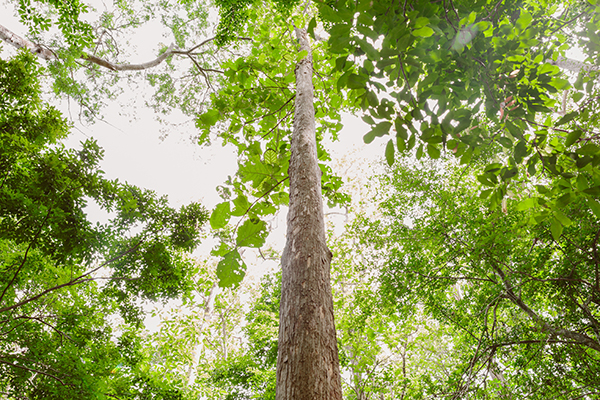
{"x": 43, "y": 52}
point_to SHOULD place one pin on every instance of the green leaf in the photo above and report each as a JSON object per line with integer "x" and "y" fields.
{"x": 581, "y": 182}
{"x": 564, "y": 220}
{"x": 231, "y": 269}
{"x": 526, "y": 204}
{"x": 252, "y": 233}
{"x": 340, "y": 63}
{"x": 567, "y": 118}
{"x": 493, "y": 167}
{"x": 369, "y": 137}
{"x": 595, "y": 207}
{"x": 270, "y": 156}
{"x": 389, "y": 152}
{"x": 220, "y": 215}
{"x": 301, "y": 55}
{"x": 368, "y": 48}
{"x": 421, "y": 21}
{"x": 466, "y": 158}
{"x": 472, "y": 17}
{"x": 524, "y": 20}
{"x": 563, "y": 200}
{"x": 556, "y": 228}
{"x": 311, "y": 27}
{"x": 486, "y": 180}
{"x": 423, "y": 32}
{"x": 589, "y": 149}
{"x": 508, "y": 173}
{"x": 520, "y": 152}
{"x": 400, "y": 129}
{"x": 433, "y": 151}
{"x": 594, "y": 191}
{"x": 381, "y": 129}
{"x": 368, "y": 119}
{"x": 514, "y": 130}
{"x": 401, "y": 143}
{"x": 241, "y": 206}
{"x": 412, "y": 140}
{"x": 485, "y": 193}
{"x": 329, "y": 14}
{"x": 209, "y": 118}
{"x": 573, "y": 137}
{"x": 356, "y": 81}
{"x": 419, "y": 154}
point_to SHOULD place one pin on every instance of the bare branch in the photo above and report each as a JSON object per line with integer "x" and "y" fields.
{"x": 129, "y": 67}
{"x": 18, "y": 42}
{"x": 573, "y": 65}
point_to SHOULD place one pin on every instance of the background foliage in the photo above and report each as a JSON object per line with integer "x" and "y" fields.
{"x": 72, "y": 290}
{"x": 475, "y": 275}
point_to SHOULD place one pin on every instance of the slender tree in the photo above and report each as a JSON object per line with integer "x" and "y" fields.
{"x": 307, "y": 365}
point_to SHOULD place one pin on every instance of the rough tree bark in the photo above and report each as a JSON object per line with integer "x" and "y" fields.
{"x": 307, "y": 363}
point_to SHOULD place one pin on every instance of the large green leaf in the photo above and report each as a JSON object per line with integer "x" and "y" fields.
{"x": 231, "y": 269}
{"x": 252, "y": 233}
{"x": 220, "y": 215}
{"x": 573, "y": 137}
{"x": 556, "y": 228}
{"x": 381, "y": 129}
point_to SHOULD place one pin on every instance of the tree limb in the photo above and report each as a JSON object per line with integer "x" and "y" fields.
{"x": 18, "y": 42}
{"x": 573, "y": 65}
{"x": 565, "y": 333}
{"x": 36, "y": 371}
{"x": 72, "y": 282}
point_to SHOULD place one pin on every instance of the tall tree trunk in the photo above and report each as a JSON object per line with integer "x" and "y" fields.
{"x": 307, "y": 363}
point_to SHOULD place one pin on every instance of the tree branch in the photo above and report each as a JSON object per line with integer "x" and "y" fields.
{"x": 573, "y": 65}
{"x": 578, "y": 337}
{"x": 26, "y": 253}
{"x": 73, "y": 282}
{"x": 18, "y": 42}
{"x": 36, "y": 371}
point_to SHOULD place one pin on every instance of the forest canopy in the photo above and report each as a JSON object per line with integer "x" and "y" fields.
{"x": 469, "y": 268}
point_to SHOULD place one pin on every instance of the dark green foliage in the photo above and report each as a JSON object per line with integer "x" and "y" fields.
{"x": 464, "y": 75}
{"x": 63, "y": 279}
{"x": 234, "y": 16}
{"x": 77, "y": 33}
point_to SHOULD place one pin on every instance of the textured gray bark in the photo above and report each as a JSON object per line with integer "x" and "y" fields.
{"x": 573, "y": 65}
{"x": 307, "y": 363}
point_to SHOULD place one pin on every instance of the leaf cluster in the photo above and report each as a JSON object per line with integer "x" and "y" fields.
{"x": 64, "y": 280}
{"x": 461, "y": 77}
{"x": 521, "y": 303}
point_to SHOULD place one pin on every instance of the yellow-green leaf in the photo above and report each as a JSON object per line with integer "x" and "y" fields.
{"x": 423, "y": 32}
{"x": 556, "y": 228}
